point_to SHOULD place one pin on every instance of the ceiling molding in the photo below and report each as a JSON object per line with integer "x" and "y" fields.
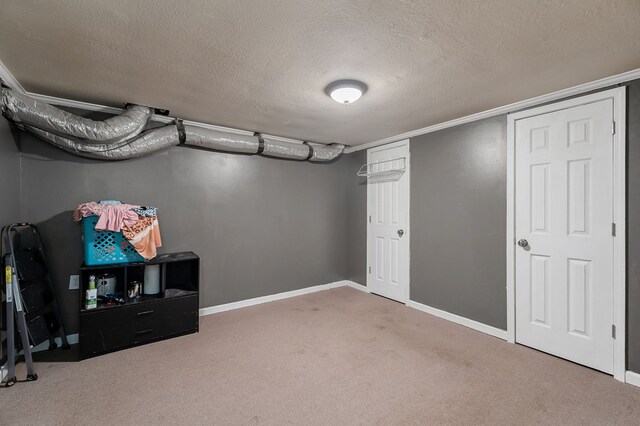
{"x": 506, "y": 109}
{"x": 10, "y": 80}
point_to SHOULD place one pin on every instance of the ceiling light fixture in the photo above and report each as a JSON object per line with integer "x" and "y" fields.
{"x": 346, "y": 91}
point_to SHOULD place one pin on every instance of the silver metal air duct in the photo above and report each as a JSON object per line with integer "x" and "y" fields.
{"x": 121, "y": 137}
{"x": 22, "y": 109}
{"x": 146, "y": 143}
{"x": 220, "y": 141}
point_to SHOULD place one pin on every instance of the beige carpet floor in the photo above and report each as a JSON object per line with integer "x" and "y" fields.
{"x": 337, "y": 357}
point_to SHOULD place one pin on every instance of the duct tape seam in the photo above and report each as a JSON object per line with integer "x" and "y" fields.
{"x": 310, "y": 155}
{"x": 182, "y": 135}
{"x": 260, "y": 143}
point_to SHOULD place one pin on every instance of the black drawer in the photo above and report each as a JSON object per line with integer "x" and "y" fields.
{"x": 145, "y": 319}
{"x": 145, "y": 334}
{"x": 110, "y": 329}
{"x": 126, "y": 315}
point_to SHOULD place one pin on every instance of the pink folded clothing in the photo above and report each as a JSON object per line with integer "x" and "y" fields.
{"x": 112, "y": 217}
{"x": 116, "y": 216}
{"x": 88, "y": 209}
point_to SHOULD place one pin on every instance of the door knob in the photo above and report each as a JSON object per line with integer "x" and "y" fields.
{"x": 523, "y": 243}
{"x": 400, "y": 232}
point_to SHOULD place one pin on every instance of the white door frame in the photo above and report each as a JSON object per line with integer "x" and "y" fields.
{"x": 618, "y": 96}
{"x": 407, "y": 228}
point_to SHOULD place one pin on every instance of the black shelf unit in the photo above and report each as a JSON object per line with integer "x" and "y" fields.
{"x": 147, "y": 318}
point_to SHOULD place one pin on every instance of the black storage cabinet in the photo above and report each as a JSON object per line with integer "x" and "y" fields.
{"x": 147, "y": 318}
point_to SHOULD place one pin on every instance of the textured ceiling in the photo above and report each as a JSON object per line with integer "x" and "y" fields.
{"x": 263, "y": 65}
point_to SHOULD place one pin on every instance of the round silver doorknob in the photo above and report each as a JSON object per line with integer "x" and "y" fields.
{"x": 523, "y": 243}
{"x": 400, "y": 232}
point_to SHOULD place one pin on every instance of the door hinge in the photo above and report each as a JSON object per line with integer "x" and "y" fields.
{"x": 613, "y": 229}
{"x": 369, "y": 269}
{"x": 369, "y": 218}
{"x": 613, "y": 127}
{"x": 613, "y": 331}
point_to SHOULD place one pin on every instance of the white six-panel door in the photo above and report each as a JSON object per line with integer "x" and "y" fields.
{"x": 563, "y": 227}
{"x": 388, "y": 227}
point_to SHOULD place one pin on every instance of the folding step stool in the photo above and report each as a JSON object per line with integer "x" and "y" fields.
{"x": 30, "y": 298}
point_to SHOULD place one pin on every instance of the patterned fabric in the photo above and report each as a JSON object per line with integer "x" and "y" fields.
{"x": 130, "y": 232}
{"x": 146, "y": 211}
{"x": 144, "y": 236}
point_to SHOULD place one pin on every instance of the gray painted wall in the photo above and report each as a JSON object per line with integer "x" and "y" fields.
{"x": 458, "y": 217}
{"x": 9, "y": 175}
{"x": 9, "y": 189}
{"x": 458, "y": 204}
{"x": 261, "y": 226}
{"x": 356, "y": 218}
{"x": 458, "y": 220}
{"x": 633, "y": 226}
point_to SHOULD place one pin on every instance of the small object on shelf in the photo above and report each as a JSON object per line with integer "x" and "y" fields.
{"x": 134, "y": 289}
{"x": 111, "y": 299}
{"x": 151, "y": 279}
{"x": 107, "y": 284}
{"x": 91, "y": 295}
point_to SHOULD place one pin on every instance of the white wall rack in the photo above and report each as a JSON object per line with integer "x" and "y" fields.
{"x": 387, "y": 169}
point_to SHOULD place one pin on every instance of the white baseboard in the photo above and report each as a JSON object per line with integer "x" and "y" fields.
{"x": 478, "y": 326}
{"x": 632, "y": 378}
{"x": 271, "y": 298}
{"x": 496, "y": 332}
{"x": 357, "y": 286}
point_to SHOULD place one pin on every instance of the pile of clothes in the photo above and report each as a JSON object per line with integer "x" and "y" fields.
{"x": 138, "y": 224}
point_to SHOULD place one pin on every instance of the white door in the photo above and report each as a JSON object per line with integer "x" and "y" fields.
{"x": 388, "y": 227}
{"x": 563, "y": 228}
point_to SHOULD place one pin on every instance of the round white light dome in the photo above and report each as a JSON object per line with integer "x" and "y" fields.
{"x": 346, "y": 91}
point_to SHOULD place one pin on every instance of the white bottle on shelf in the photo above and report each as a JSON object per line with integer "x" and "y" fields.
{"x": 91, "y": 295}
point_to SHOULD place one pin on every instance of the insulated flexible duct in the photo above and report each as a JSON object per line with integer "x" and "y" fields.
{"x": 146, "y": 143}
{"x": 121, "y": 137}
{"x": 23, "y": 109}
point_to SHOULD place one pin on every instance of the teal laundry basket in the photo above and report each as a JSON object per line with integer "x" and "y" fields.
{"x": 106, "y": 247}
